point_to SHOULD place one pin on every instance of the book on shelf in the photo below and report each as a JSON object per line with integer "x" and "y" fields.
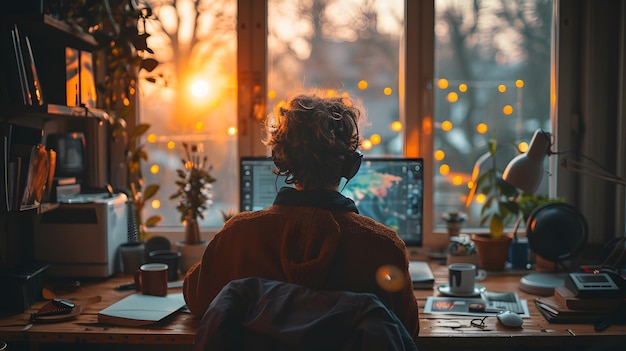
{"x": 421, "y": 275}
{"x": 137, "y": 309}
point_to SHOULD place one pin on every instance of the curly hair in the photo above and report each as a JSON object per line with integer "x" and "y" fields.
{"x": 311, "y": 136}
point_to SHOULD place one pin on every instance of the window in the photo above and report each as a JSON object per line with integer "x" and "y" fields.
{"x": 491, "y": 75}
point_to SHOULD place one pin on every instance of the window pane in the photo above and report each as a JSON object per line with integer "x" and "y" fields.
{"x": 341, "y": 46}
{"x": 190, "y": 97}
{"x": 492, "y": 69}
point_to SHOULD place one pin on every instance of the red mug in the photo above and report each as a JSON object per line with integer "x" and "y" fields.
{"x": 151, "y": 279}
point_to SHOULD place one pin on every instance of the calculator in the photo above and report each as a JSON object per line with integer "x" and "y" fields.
{"x": 501, "y": 301}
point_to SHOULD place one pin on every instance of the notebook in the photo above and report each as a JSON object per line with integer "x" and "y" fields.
{"x": 421, "y": 275}
{"x": 138, "y": 309}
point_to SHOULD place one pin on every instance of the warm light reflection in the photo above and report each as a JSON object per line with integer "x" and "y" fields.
{"x": 470, "y": 184}
{"x": 396, "y": 126}
{"x": 444, "y": 169}
{"x": 331, "y": 93}
{"x": 442, "y": 83}
{"x": 482, "y": 128}
{"x": 362, "y": 84}
{"x": 126, "y": 102}
{"x": 271, "y": 94}
{"x": 502, "y": 88}
{"x": 366, "y": 145}
{"x": 200, "y": 89}
{"x": 155, "y": 204}
{"x": 507, "y": 110}
{"x": 154, "y": 169}
{"x": 519, "y": 83}
{"x": 232, "y": 131}
{"x": 375, "y": 139}
{"x": 522, "y": 147}
{"x": 387, "y": 91}
{"x": 463, "y": 87}
{"x": 446, "y": 126}
{"x": 453, "y": 97}
{"x": 171, "y": 145}
{"x": 152, "y": 138}
{"x": 440, "y": 155}
{"x": 199, "y": 126}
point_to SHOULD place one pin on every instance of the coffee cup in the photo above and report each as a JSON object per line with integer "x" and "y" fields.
{"x": 170, "y": 258}
{"x": 462, "y": 278}
{"x": 151, "y": 279}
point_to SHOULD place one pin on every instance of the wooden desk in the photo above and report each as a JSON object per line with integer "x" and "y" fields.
{"x": 440, "y": 332}
{"x": 437, "y": 332}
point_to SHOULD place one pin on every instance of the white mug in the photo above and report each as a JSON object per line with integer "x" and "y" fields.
{"x": 462, "y": 278}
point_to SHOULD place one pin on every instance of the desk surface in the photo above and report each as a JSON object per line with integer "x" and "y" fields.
{"x": 437, "y": 332}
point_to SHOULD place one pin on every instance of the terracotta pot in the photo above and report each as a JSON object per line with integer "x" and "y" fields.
{"x": 492, "y": 252}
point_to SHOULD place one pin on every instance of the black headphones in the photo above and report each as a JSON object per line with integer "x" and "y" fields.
{"x": 352, "y": 164}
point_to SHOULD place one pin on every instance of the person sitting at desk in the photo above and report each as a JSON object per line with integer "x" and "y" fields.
{"x": 312, "y": 235}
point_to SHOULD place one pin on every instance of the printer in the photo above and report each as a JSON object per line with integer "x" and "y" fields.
{"x": 80, "y": 238}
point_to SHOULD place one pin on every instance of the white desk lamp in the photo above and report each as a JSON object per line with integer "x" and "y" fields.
{"x": 525, "y": 172}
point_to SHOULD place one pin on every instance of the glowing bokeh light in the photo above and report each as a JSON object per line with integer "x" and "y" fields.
{"x": 442, "y": 83}
{"x": 375, "y": 139}
{"x": 481, "y": 198}
{"x": 457, "y": 180}
{"x": 444, "y": 169}
{"x": 199, "y": 126}
{"x": 440, "y": 155}
{"x": 523, "y": 146}
{"x": 463, "y": 87}
{"x": 482, "y": 128}
{"x": 232, "y": 131}
{"x": 271, "y": 94}
{"x": 366, "y": 145}
{"x": 362, "y": 84}
{"x": 154, "y": 169}
{"x": 387, "y": 91}
{"x": 396, "y": 126}
{"x": 502, "y": 88}
{"x": 507, "y": 110}
{"x": 453, "y": 97}
{"x": 519, "y": 83}
{"x": 446, "y": 126}
{"x": 171, "y": 145}
{"x": 152, "y": 138}
{"x": 155, "y": 204}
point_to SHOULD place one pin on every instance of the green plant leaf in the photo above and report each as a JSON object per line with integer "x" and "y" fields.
{"x": 150, "y": 191}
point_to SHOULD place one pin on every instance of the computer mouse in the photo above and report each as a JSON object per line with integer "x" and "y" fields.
{"x": 510, "y": 319}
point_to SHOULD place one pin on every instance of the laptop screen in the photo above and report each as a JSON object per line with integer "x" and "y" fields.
{"x": 389, "y": 190}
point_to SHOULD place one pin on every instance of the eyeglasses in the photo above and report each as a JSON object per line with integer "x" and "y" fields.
{"x": 478, "y": 322}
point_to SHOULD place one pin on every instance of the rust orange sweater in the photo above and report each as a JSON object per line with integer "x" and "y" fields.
{"x": 312, "y": 238}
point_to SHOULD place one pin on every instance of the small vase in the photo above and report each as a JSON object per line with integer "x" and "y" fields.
{"x": 192, "y": 230}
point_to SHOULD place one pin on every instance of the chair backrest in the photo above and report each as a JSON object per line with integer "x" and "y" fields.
{"x": 261, "y": 314}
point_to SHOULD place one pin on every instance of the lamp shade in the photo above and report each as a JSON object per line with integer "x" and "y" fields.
{"x": 526, "y": 170}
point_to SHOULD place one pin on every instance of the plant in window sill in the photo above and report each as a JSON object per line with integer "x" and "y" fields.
{"x": 195, "y": 191}
{"x": 454, "y": 221}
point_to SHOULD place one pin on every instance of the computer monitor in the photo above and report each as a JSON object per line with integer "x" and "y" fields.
{"x": 389, "y": 190}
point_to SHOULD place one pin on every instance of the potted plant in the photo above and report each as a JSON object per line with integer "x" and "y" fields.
{"x": 499, "y": 209}
{"x": 195, "y": 193}
{"x": 454, "y": 221}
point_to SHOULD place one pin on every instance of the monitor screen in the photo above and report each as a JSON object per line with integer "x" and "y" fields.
{"x": 389, "y": 190}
